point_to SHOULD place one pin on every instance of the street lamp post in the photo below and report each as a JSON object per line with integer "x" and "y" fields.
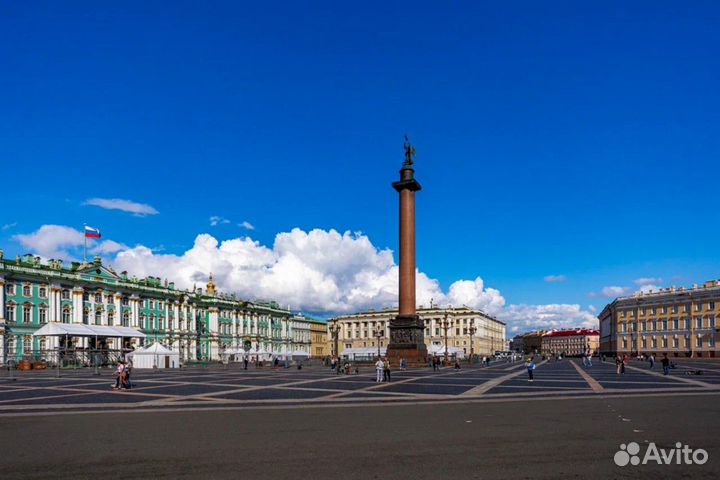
{"x": 446, "y": 325}
{"x": 335, "y": 333}
{"x": 378, "y": 333}
{"x": 472, "y": 331}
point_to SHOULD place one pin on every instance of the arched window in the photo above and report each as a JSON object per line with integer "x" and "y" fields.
{"x": 142, "y": 321}
{"x": 111, "y": 317}
{"x": 27, "y": 291}
{"x": 42, "y": 291}
{"x": 11, "y": 345}
{"x": 86, "y": 315}
{"x": 27, "y": 313}
{"x": 43, "y": 344}
{"x": 43, "y": 313}
{"x": 65, "y": 294}
{"x": 27, "y": 345}
{"x": 66, "y": 314}
{"x": 10, "y": 312}
{"x": 126, "y": 319}
{"x": 152, "y": 322}
{"x": 98, "y": 317}
{"x": 98, "y": 298}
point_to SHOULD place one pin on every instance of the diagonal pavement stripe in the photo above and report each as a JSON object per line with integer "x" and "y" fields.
{"x": 594, "y": 384}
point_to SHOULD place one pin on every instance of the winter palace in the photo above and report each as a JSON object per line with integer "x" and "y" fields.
{"x": 200, "y": 325}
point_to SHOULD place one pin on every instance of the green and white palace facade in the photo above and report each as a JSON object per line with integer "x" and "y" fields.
{"x": 200, "y": 325}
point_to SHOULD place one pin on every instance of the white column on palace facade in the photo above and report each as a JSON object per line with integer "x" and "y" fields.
{"x": 134, "y": 311}
{"x": 77, "y": 297}
{"x": 2, "y": 298}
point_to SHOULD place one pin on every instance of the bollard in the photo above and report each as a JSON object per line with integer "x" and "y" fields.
{"x": 95, "y": 360}
{"x": 10, "y": 368}
{"x": 57, "y": 370}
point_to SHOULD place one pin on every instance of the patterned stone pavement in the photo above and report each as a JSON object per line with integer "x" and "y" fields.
{"x": 42, "y": 392}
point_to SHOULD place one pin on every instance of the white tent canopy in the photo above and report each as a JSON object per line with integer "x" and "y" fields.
{"x": 299, "y": 353}
{"x": 154, "y": 356}
{"x": 55, "y": 329}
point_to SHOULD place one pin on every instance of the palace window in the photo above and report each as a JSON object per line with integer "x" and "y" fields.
{"x": 653, "y": 311}
{"x": 142, "y": 321}
{"x": 126, "y": 319}
{"x": 698, "y": 322}
{"x": 711, "y": 321}
{"x": 98, "y": 317}
{"x": 10, "y": 312}
{"x": 124, "y": 302}
{"x": 27, "y": 313}
{"x": 711, "y": 341}
{"x": 699, "y": 342}
{"x": 65, "y": 294}
{"x": 698, "y": 307}
{"x": 687, "y": 323}
{"x": 27, "y": 291}
{"x": 654, "y": 342}
{"x": 86, "y": 316}
{"x": 711, "y": 306}
{"x": 686, "y": 308}
{"x": 27, "y": 345}
{"x": 98, "y": 298}
{"x": 43, "y": 314}
{"x": 676, "y": 343}
{"x": 42, "y": 292}
{"x": 66, "y": 314}
{"x": 11, "y": 345}
{"x": 10, "y": 289}
{"x": 644, "y": 342}
{"x": 664, "y": 324}
{"x": 663, "y": 309}
{"x": 86, "y": 297}
{"x": 111, "y": 318}
{"x": 675, "y": 309}
{"x": 664, "y": 342}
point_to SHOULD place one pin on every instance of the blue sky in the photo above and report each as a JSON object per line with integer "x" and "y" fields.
{"x": 576, "y": 139}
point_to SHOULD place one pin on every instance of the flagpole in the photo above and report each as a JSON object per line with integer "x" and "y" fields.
{"x": 85, "y": 247}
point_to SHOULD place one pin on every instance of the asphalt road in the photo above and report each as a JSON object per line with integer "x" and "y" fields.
{"x": 543, "y": 438}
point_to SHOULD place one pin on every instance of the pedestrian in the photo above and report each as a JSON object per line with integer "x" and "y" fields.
{"x": 584, "y": 359}
{"x": 530, "y": 367}
{"x": 386, "y": 370}
{"x": 118, "y": 375}
{"x": 402, "y": 363}
{"x": 589, "y": 355}
{"x": 625, "y": 360}
{"x": 665, "y": 364}
{"x": 618, "y": 364}
{"x": 379, "y": 367}
{"x": 246, "y": 360}
{"x": 457, "y": 364}
{"x": 651, "y": 359}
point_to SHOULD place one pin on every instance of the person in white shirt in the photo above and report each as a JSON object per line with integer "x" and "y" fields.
{"x": 379, "y": 367}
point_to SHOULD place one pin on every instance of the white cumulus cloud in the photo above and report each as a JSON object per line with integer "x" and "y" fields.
{"x": 647, "y": 281}
{"x": 521, "y": 318}
{"x": 320, "y": 271}
{"x": 614, "y": 291}
{"x": 139, "y": 209}
{"x": 246, "y": 225}
{"x": 51, "y": 241}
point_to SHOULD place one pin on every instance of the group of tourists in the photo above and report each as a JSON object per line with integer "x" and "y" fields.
{"x": 382, "y": 370}
{"x": 122, "y": 376}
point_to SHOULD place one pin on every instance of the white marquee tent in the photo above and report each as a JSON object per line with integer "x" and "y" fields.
{"x": 154, "y": 356}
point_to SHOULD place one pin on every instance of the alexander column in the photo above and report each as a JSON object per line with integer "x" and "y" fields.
{"x": 407, "y": 339}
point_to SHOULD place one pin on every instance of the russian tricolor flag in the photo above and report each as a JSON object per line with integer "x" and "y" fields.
{"x": 91, "y": 232}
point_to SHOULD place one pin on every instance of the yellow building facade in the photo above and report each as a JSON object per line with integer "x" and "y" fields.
{"x": 678, "y": 321}
{"x": 466, "y": 329}
{"x": 319, "y": 346}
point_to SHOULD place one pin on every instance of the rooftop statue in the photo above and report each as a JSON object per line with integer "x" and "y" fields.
{"x": 409, "y": 152}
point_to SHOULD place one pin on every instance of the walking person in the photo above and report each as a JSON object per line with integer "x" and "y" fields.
{"x": 618, "y": 364}
{"x": 625, "y": 360}
{"x": 651, "y": 359}
{"x": 386, "y": 370}
{"x": 379, "y": 367}
{"x": 589, "y": 355}
{"x": 584, "y": 359}
{"x": 530, "y": 367}
{"x": 118, "y": 375}
{"x": 665, "y": 364}
{"x": 246, "y": 360}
